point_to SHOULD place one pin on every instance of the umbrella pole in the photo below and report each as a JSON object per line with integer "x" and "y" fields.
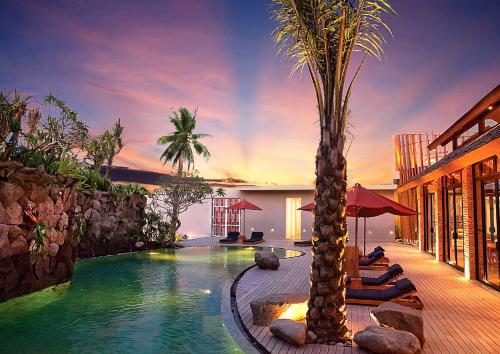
{"x": 244, "y": 222}
{"x": 356, "y": 234}
{"x": 364, "y": 238}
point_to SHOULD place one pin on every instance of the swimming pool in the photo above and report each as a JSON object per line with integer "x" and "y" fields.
{"x": 153, "y": 301}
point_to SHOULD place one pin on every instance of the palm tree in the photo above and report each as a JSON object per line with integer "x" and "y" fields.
{"x": 321, "y": 35}
{"x": 182, "y": 141}
{"x": 180, "y": 145}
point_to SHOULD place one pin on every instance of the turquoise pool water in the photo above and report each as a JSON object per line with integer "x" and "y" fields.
{"x": 159, "y": 301}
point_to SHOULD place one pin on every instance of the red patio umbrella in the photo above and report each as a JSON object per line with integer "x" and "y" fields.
{"x": 244, "y": 205}
{"x": 362, "y": 202}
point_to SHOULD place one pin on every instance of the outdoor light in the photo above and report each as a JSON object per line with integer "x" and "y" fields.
{"x": 391, "y": 232}
{"x": 272, "y": 229}
{"x": 303, "y": 230}
{"x": 369, "y": 232}
{"x": 490, "y": 108}
{"x": 207, "y": 291}
{"x": 252, "y": 229}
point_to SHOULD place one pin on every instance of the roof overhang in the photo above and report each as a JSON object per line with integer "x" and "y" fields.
{"x": 477, "y": 155}
{"x": 491, "y": 100}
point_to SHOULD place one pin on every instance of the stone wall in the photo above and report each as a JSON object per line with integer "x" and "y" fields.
{"x": 54, "y": 199}
{"x": 107, "y": 223}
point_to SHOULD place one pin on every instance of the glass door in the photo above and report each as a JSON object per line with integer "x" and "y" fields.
{"x": 491, "y": 222}
{"x": 454, "y": 242}
{"x": 429, "y": 220}
{"x": 293, "y": 221}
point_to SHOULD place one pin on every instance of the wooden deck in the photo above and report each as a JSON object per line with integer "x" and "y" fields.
{"x": 461, "y": 316}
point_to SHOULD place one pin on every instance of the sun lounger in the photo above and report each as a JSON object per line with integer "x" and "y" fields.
{"x": 257, "y": 237}
{"x": 376, "y": 262}
{"x": 378, "y": 248}
{"x": 232, "y": 237}
{"x": 380, "y": 282}
{"x": 400, "y": 293}
{"x": 307, "y": 243}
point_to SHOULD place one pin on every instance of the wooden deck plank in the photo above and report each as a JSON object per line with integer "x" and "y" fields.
{"x": 459, "y": 315}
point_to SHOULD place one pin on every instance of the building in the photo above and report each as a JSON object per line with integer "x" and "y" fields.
{"x": 279, "y": 218}
{"x": 453, "y": 180}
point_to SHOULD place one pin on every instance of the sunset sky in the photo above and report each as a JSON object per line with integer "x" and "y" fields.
{"x": 138, "y": 60}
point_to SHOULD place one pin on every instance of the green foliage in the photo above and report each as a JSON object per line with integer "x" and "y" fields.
{"x": 156, "y": 228}
{"x": 39, "y": 243}
{"x": 130, "y": 189}
{"x": 183, "y": 140}
{"x": 92, "y": 179}
{"x": 12, "y": 112}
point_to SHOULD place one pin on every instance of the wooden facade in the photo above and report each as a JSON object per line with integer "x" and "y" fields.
{"x": 454, "y": 183}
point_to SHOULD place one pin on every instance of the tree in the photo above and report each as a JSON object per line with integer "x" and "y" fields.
{"x": 12, "y": 112}
{"x": 321, "y": 35}
{"x": 59, "y": 134}
{"x": 103, "y": 148}
{"x": 175, "y": 196}
{"x": 182, "y": 141}
{"x": 180, "y": 145}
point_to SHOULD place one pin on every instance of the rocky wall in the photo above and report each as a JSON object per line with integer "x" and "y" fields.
{"x": 31, "y": 257}
{"x": 107, "y": 223}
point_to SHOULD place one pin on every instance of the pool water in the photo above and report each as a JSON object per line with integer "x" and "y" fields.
{"x": 147, "y": 302}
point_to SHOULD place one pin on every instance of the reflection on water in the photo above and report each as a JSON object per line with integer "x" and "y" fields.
{"x": 161, "y": 301}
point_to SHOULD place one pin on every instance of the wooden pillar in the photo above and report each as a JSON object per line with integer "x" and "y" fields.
{"x": 420, "y": 217}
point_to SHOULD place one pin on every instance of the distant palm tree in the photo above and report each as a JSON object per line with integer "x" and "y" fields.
{"x": 180, "y": 146}
{"x": 182, "y": 141}
{"x": 321, "y": 35}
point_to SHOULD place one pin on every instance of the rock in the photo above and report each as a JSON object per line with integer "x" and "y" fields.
{"x": 78, "y": 209}
{"x": 267, "y": 260}
{"x": 53, "y": 220}
{"x": 13, "y": 214}
{"x": 290, "y": 331}
{"x": 19, "y": 246}
{"x": 311, "y": 337}
{"x": 95, "y": 204}
{"x": 269, "y": 308}
{"x": 400, "y": 317}
{"x": 10, "y": 164}
{"x": 386, "y": 340}
{"x": 58, "y": 206}
{"x": 61, "y": 271}
{"x": 53, "y": 249}
{"x": 63, "y": 221}
{"x": 4, "y": 241}
{"x": 10, "y": 192}
{"x": 87, "y": 214}
{"x": 139, "y": 244}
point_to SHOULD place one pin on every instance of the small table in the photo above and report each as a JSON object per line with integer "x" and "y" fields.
{"x": 241, "y": 238}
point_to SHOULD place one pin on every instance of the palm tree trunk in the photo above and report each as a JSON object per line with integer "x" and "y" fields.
{"x": 175, "y": 222}
{"x": 326, "y": 316}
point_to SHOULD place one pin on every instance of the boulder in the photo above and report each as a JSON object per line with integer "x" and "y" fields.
{"x": 385, "y": 340}
{"x": 267, "y": 260}
{"x": 139, "y": 244}
{"x": 269, "y": 308}
{"x": 4, "y": 241}
{"x": 400, "y": 317}
{"x": 311, "y": 337}
{"x": 63, "y": 221}
{"x": 290, "y": 331}
{"x": 10, "y": 192}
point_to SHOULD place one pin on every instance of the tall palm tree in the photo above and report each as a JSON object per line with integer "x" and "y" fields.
{"x": 182, "y": 141}
{"x": 180, "y": 145}
{"x": 321, "y": 35}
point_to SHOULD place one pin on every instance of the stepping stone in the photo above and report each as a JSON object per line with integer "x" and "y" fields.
{"x": 290, "y": 331}
{"x": 400, "y": 317}
{"x": 385, "y": 340}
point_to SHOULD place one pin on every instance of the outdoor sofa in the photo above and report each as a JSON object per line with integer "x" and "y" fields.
{"x": 375, "y": 261}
